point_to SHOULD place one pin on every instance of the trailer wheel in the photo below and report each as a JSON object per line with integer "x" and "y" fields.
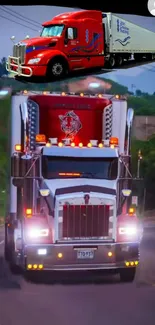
{"x": 112, "y": 61}
{"x": 127, "y": 275}
{"x": 119, "y": 61}
{"x": 57, "y": 68}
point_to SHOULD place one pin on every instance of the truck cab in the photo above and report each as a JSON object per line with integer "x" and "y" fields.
{"x": 70, "y": 197}
{"x": 69, "y": 42}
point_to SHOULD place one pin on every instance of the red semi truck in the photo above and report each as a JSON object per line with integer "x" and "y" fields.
{"x": 69, "y": 198}
{"x": 81, "y": 40}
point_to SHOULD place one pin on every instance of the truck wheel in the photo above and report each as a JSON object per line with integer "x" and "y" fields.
{"x": 6, "y": 252}
{"x": 57, "y": 69}
{"x": 112, "y": 62}
{"x": 15, "y": 269}
{"x": 119, "y": 61}
{"x": 127, "y": 275}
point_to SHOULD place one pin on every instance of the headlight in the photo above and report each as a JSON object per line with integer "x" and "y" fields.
{"x": 33, "y": 61}
{"x": 131, "y": 230}
{"x": 35, "y": 233}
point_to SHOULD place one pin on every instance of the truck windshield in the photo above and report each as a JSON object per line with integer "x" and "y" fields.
{"x": 76, "y": 167}
{"x": 52, "y": 30}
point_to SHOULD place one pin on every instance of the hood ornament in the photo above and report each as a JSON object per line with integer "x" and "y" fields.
{"x": 86, "y": 198}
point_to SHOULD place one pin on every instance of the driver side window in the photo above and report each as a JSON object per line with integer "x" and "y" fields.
{"x": 71, "y": 33}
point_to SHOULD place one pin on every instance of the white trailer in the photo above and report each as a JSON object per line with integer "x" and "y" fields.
{"x": 127, "y": 36}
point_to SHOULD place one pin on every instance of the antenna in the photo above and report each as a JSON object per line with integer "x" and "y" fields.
{"x": 129, "y": 120}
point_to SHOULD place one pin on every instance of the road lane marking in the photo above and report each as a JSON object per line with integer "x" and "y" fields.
{"x": 1, "y": 242}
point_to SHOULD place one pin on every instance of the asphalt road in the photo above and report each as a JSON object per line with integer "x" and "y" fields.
{"x": 87, "y": 302}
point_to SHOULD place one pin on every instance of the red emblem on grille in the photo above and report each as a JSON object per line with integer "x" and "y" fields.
{"x": 70, "y": 124}
{"x": 86, "y": 198}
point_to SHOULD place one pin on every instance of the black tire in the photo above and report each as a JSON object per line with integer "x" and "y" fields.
{"x": 6, "y": 252}
{"x": 112, "y": 62}
{"x": 119, "y": 61}
{"x": 57, "y": 69}
{"x": 15, "y": 269}
{"x": 127, "y": 275}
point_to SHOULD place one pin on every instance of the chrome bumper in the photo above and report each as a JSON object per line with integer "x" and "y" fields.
{"x": 18, "y": 66}
{"x": 64, "y": 257}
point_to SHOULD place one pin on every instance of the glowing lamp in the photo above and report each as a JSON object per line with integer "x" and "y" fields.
{"x": 18, "y": 147}
{"x": 114, "y": 141}
{"x": 28, "y": 213}
{"x": 40, "y": 138}
{"x": 131, "y": 211}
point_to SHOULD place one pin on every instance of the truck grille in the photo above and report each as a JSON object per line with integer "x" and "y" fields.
{"x": 85, "y": 221}
{"x": 19, "y": 52}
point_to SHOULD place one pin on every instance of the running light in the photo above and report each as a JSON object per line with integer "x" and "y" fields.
{"x": 114, "y": 141}
{"x": 69, "y": 174}
{"x": 60, "y": 144}
{"x": 80, "y": 144}
{"x": 28, "y": 213}
{"x": 89, "y": 145}
{"x": 131, "y": 211}
{"x": 72, "y": 144}
{"x": 18, "y": 147}
{"x": 40, "y": 138}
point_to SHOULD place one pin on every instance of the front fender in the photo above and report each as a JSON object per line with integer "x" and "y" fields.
{"x": 49, "y": 54}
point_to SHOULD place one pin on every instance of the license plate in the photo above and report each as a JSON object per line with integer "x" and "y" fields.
{"x": 85, "y": 254}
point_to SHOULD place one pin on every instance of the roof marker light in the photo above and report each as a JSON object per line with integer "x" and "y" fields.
{"x": 81, "y": 94}
{"x": 80, "y": 144}
{"x": 60, "y": 144}
{"x": 100, "y": 145}
{"x": 63, "y": 93}
{"x": 100, "y": 95}
{"x": 72, "y": 144}
{"x": 40, "y": 138}
{"x": 89, "y": 145}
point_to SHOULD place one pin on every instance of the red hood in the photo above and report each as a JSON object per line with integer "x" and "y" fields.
{"x": 39, "y": 41}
